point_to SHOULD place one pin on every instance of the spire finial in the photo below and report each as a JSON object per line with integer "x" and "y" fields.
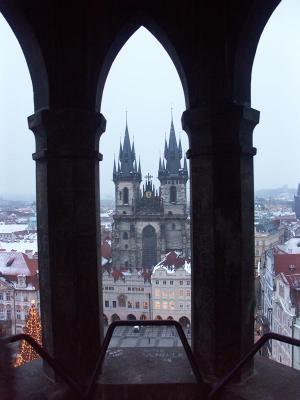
{"x": 172, "y": 112}
{"x": 126, "y": 112}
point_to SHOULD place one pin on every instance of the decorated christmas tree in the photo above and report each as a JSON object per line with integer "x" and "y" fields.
{"x": 34, "y": 329}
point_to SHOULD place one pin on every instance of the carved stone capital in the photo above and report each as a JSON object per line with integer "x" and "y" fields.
{"x": 67, "y": 133}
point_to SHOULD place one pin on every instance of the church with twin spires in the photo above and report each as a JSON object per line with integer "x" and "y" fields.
{"x": 149, "y": 222}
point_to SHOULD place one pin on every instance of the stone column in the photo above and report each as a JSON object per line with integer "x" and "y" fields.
{"x": 221, "y": 164}
{"x": 67, "y": 181}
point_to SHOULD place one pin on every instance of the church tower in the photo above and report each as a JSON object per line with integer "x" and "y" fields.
{"x": 173, "y": 177}
{"x": 127, "y": 177}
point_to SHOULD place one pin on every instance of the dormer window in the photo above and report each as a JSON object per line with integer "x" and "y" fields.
{"x": 21, "y": 281}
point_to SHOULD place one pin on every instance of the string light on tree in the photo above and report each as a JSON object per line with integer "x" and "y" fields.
{"x": 34, "y": 329}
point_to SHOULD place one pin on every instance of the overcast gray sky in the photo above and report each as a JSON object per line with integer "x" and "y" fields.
{"x": 144, "y": 81}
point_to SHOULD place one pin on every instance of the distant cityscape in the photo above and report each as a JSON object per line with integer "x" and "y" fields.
{"x": 137, "y": 285}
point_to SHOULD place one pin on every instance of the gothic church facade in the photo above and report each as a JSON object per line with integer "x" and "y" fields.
{"x": 148, "y": 223}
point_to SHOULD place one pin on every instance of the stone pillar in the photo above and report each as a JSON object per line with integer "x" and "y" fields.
{"x": 67, "y": 181}
{"x": 221, "y": 164}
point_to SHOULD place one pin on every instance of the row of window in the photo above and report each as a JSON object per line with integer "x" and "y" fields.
{"x": 8, "y": 296}
{"x": 171, "y": 293}
{"x": 164, "y": 282}
{"x": 130, "y": 304}
{"x": 165, "y": 305}
{"x": 129, "y": 288}
{"x": 7, "y": 314}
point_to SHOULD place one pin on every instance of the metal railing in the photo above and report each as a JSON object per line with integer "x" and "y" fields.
{"x": 251, "y": 353}
{"x": 204, "y": 390}
{"x": 203, "y": 387}
{"x": 46, "y": 357}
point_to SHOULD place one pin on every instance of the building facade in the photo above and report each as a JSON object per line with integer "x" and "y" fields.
{"x": 284, "y": 317}
{"x": 148, "y": 223}
{"x": 265, "y": 239}
{"x": 280, "y": 300}
{"x": 171, "y": 289}
{"x": 19, "y": 287}
{"x": 126, "y": 295}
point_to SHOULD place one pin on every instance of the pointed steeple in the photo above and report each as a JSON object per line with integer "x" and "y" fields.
{"x": 114, "y": 170}
{"x": 173, "y": 157}
{"x": 170, "y": 166}
{"x": 159, "y": 165}
{"x": 127, "y": 165}
{"x": 166, "y": 149}
{"x": 127, "y": 158}
{"x": 120, "y": 151}
{"x": 139, "y": 170}
{"x": 180, "y": 149}
{"x": 133, "y": 151}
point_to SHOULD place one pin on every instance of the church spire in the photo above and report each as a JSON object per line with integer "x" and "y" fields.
{"x": 166, "y": 149}
{"x": 180, "y": 149}
{"x": 159, "y": 165}
{"x": 127, "y": 165}
{"x": 133, "y": 151}
{"x": 173, "y": 155}
{"x": 172, "y": 169}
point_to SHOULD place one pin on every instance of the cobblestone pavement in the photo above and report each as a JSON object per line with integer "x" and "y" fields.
{"x": 148, "y": 336}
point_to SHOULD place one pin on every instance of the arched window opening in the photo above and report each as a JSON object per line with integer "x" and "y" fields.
{"x": 136, "y": 190}
{"x": 115, "y": 318}
{"x": 275, "y": 85}
{"x": 185, "y": 322}
{"x": 131, "y": 317}
{"x": 125, "y": 195}
{"x": 149, "y": 247}
{"x": 17, "y": 178}
{"x": 173, "y": 194}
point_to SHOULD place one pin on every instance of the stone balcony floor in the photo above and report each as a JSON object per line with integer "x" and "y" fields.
{"x": 270, "y": 381}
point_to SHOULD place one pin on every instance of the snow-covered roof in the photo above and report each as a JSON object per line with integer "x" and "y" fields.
{"x": 11, "y": 228}
{"x": 172, "y": 262}
{"x": 292, "y": 246}
{"x": 21, "y": 246}
{"x": 16, "y": 263}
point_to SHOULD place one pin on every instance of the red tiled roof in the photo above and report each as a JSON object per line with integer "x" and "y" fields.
{"x": 117, "y": 274}
{"x": 32, "y": 264}
{"x": 13, "y": 263}
{"x": 106, "y": 250}
{"x": 287, "y": 264}
{"x": 173, "y": 259}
